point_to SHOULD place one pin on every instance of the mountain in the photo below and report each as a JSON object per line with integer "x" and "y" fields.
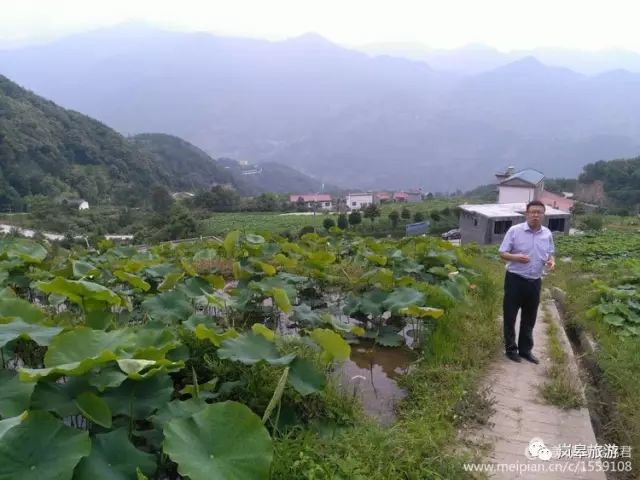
{"x": 273, "y": 177}
{"x": 47, "y": 150}
{"x": 196, "y": 170}
{"x": 181, "y": 160}
{"x": 336, "y": 114}
{"x": 473, "y": 59}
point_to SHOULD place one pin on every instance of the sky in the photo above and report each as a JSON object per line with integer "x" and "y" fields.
{"x": 504, "y": 24}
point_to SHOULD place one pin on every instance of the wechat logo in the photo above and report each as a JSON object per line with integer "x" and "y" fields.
{"x": 537, "y": 449}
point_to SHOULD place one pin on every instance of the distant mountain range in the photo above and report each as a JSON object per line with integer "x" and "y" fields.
{"x": 340, "y": 115}
{"x": 477, "y": 58}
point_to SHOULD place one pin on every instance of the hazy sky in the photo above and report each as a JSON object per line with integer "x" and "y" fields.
{"x": 505, "y": 24}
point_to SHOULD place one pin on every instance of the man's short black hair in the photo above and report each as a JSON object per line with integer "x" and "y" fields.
{"x": 535, "y": 203}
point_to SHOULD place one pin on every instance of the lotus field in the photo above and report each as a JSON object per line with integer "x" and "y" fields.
{"x": 134, "y": 364}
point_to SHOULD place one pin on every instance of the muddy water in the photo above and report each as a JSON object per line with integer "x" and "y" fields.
{"x": 371, "y": 374}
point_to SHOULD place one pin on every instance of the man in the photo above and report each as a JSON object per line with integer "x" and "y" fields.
{"x": 527, "y": 248}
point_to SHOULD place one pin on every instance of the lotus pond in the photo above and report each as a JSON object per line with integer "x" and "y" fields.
{"x": 191, "y": 361}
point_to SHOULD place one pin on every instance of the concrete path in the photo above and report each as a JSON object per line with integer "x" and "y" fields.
{"x": 522, "y": 416}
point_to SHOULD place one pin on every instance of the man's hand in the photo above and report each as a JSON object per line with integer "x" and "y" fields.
{"x": 551, "y": 264}
{"x": 521, "y": 258}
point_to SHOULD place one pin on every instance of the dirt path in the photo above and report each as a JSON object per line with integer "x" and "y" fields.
{"x": 521, "y": 416}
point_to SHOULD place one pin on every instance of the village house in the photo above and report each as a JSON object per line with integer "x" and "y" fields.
{"x": 488, "y": 223}
{"x": 321, "y": 201}
{"x": 358, "y": 201}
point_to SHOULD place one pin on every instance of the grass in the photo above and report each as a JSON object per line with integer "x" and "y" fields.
{"x": 617, "y": 358}
{"x": 442, "y": 399}
{"x": 562, "y": 389}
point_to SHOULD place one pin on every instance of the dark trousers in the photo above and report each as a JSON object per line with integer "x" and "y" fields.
{"x": 520, "y": 294}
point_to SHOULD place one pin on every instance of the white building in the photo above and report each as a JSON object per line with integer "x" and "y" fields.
{"x": 519, "y": 187}
{"x": 358, "y": 201}
{"x": 84, "y": 205}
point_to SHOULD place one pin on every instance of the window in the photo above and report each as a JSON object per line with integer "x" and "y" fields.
{"x": 556, "y": 224}
{"x": 475, "y": 222}
{"x": 353, "y": 204}
{"x": 327, "y": 204}
{"x": 501, "y": 227}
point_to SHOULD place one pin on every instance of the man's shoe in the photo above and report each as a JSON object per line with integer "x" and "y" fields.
{"x": 513, "y": 356}
{"x": 529, "y": 357}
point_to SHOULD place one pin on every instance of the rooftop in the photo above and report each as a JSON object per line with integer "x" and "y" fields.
{"x": 528, "y": 175}
{"x": 498, "y": 210}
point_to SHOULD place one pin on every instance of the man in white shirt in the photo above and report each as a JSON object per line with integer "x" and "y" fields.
{"x": 527, "y": 247}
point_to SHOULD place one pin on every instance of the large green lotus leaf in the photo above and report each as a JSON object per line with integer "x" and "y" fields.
{"x": 133, "y": 280}
{"x": 195, "y": 287}
{"x": 153, "y": 343}
{"x": 83, "y": 269}
{"x": 106, "y": 377}
{"x": 205, "y": 255}
{"x": 68, "y": 369}
{"x": 168, "y": 307}
{"x": 14, "y": 394}
{"x": 94, "y": 408}
{"x": 204, "y": 333}
{"x": 83, "y": 343}
{"x": 8, "y": 423}
{"x": 378, "y": 276}
{"x": 41, "y": 448}
{"x": 24, "y": 249}
{"x": 17, "y": 307}
{"x": 281, "y": 299}
{"x": 18, "y": 329}
{"x": 415, "y": 311}
{"x": 170, "y": 281}
{"x": 371, "y": 303}
{"x": 305, "y": 377}
{"x": 99, "y": 319}
{"x": 59, "y": 397}
{"x": 223, "y": 441}
{"x": 403, "y": 297}
{"x": 139, "y": 398}
{"x": 254, "y": 239}
{"x": 378, "y": 259}
{"x": 334, "y": 346}
{"x": 177, "y": 409}
{"x": 251, "y": 348}
{"x": 161, "y": 270}
{"x": 266, "y": 332}
{"x": 389, "y": 339}
{"x": 113, "y": 457}
{"x": 231, "y": 242}
{"x": 305, "y": 315}
{"x": 321, "y": 259}
{"x": 78, "y": 290}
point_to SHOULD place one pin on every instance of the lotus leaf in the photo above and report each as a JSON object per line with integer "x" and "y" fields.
{"x": 18, "y": 329}
{"x": 251, "y": 348}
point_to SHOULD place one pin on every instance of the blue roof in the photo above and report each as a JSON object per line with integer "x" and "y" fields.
{"x": 528, "y": 175}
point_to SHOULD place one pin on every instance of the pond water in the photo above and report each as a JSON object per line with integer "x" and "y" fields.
{"x": 371, "y": 374}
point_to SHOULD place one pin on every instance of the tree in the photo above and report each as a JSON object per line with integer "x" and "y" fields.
{"x": 435, "y": 216}
{"x": 394, "y": 218}
{"x": 218, "y": 199}
{"x": 592, "y": 222}
{"x": 343, "y": 221}
{"x": 418, "y": 217}
{"x": 405, "y": 213}
{"x": 161, "y": 201}
{"x": 327, "y": 223}
{"x": 355, "y": 218}
{"x": 371, "y": 212}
